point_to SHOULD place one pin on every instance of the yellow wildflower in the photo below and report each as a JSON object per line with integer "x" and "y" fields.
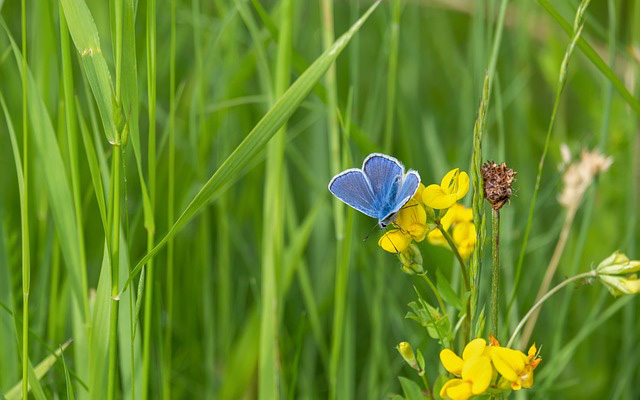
{"x": 515, "y": 367}
{"x": 412, "y": 225}
{"x": 452, "y": 188}
{"x": 473, "y": 369}
{"x": 464, "y": 236}
{"x": 457, "y": 213}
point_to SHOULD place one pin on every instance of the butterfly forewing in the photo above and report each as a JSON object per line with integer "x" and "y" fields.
{"x": 384, "y": 172}
{"x": 353, "y": 188}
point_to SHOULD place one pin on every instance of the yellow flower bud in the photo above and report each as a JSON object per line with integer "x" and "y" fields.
{"x": 405, "y": 350}
{"x": 617, "y": 264}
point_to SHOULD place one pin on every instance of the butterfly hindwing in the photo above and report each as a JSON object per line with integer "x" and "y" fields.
{"x": 353, "y": 188}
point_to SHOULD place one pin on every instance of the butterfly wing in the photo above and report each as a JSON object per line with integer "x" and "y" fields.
{"x": 353, "y": 188}
{"x": 385, "y": 174}
{"x": 409, "y": 187}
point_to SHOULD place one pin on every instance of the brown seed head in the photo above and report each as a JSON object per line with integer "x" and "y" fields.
{"x": 497, "y": 183}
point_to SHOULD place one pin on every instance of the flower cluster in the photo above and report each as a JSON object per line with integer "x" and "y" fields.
{"x": 417, "y": 220}
{"x": 485, "y": 366}
{"x": 613, "y": 273}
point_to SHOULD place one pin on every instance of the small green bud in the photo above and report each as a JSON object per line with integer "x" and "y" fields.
{"x": 411, "y": 260}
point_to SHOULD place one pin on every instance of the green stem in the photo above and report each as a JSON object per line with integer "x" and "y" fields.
{"x": 166, "y": 383}
{"x": 435, "y": 291}
{"x": 426, "y": 384}
{"x": 151, "y": 94}
{"x": 24, "y": 214}
{"x": 495, "y": 276}
{"x": 465, "y": 276}
{"x": 590, "y": 274}
{"x": 115, "y": 272}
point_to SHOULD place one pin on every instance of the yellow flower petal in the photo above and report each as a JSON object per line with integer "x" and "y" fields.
{"x": 433, "y": 196}
{"x": 478, "y": 370}
{"x": 395, "y": 241}
{"x": 509, "y": 363}
{"x": 450, "y": 384}
{"x": 449, "y": 181}
{"x": 474, "y": 349}
{"x": 411, "y": 214}
{"x": 451, "y": 362}
{"x": 532, "y": 351}
{"x": 462, "y": 185}
{"x": 459, "y": 391}
{"x": 437, "y": 238}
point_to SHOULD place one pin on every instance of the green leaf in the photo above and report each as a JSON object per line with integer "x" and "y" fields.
{"x": 411, "y": 389}
{"x": 446, "y": 291}
{"x": 85, "y": 37}
{"x": 256, "y": 140}
{"x": 36, "y": 374}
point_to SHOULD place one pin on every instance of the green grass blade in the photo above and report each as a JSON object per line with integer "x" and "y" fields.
{"x": 259, "y": 136}
{"x": 85, "y": 37}
{"x": 591, "y": 54}
{"x": 36, "y": 374}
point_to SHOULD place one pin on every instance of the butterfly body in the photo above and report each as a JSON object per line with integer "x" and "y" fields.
{"x": 380, "y": 189}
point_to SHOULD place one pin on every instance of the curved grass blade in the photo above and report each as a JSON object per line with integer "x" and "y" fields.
{"x": 85, "y": 37}
{"x": 259, "y": 136}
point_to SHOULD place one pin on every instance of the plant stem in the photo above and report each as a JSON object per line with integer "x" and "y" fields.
{"x": 166, "y": 382}
{"x": 24, "y": 214}
{"x": 435, "y": 291}
{"x": 115, "y": 272}
{"x": 151, "y": 94}
{"x": 465, "y": 277}
{"x": 590, "y": 274}
{"x": 495, "y": 275}
{"x": 426, "y": 384}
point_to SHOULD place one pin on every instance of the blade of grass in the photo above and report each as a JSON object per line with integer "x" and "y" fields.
{"x": 166, "y": 377}
{"x": 24, "y": 207}
{"x": 259, "y": 136}
{"x": 273, "y": 226}
{"x": 151, "y": 166}
{"x": 593, "y": 57}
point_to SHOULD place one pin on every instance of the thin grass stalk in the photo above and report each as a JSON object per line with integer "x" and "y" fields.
{"x": 151, "y": 166}
{"x": 115, "y": 271}
{"x": 495, "y": 273}
{"x": 166, "y": 377}
{"x": 115, "y": 208}
{"x": 24, "y": 210}
{"x": 538, "y": 304}
{"x": 392, "y": 74}
{"x": 562, "y": 79}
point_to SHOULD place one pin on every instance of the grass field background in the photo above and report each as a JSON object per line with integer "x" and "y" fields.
{"x": 265, "y": 287}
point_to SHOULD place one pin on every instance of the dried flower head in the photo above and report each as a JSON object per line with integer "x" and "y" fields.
{"x": 580, "y": 174}
{"x": 497, "y": 183}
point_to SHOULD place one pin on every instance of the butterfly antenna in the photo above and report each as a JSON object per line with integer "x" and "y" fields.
{"x": 369, "y": 234}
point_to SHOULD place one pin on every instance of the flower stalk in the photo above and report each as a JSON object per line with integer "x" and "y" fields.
{"x": 465, "y": 276}
{"x": 495, "y": 273}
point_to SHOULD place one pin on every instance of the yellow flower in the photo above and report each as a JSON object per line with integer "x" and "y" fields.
{"x": 464, "y": 236}
{"x": 473, "y": 369}
{"x": 464, "y": 231}
{"x": 412, "y": 225}
{"x": 452, "y": 188}
{"x": 515, "y": 367}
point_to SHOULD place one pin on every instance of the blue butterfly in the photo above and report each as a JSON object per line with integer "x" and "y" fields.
{"x": 380, "y": 189}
